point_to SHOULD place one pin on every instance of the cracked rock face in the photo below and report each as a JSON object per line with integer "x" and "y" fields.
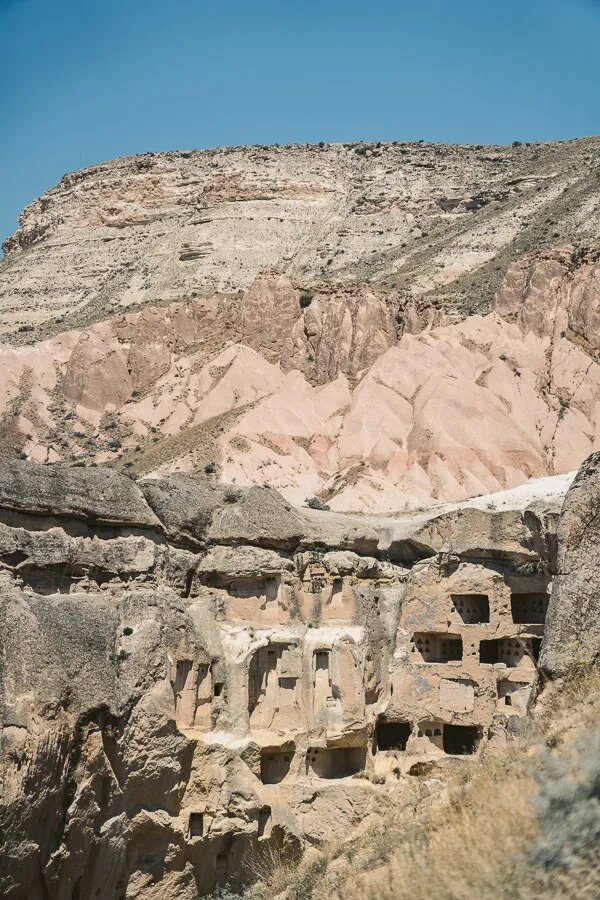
{"x": 573, "y": 638}
{"x": 190, "y": 677}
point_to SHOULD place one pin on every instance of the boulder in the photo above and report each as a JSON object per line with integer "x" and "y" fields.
{"x": 193, "y": 510}
{"x": 93, "y": 494}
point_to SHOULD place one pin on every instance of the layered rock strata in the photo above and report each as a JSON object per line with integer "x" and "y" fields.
{"x": 438, "y": 224}
{"x": 378, "y": 326}
{"x": 193, "y": 673}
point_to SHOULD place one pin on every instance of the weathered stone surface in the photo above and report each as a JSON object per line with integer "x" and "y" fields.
{"x": 94, "y": 495}
{"x": 176, "y": 699}
{"x": 194, "y": 668}
{"x": 259, "y": 514}
{"x": 573, "y": 635}
{"x": 426, "y": 220}
{"x": 184, "y": 505}
{"x": 194, "y": 509}
{"x": 243, "y": 562}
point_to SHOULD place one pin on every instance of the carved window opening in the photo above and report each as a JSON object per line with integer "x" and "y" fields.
{"x": 473, "y": 609}
{"x": 322, "y": 660}
{"x": 513, "y": 696}
{"x": 432, "y": 647}
{"x": 274, "y": 766}
{"x": 264, "y": 822}
{"x": 189, "y": 583}
{"x": 321, "y": 680}
{"x": 489, "y": 652}
{"x": 196, "y": 825}
{"x": 510, "y": 651}
{"x": 184, "y": 667}
{"x": 529, "y": 608}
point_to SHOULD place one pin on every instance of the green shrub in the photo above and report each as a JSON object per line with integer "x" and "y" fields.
{"x": 315, "y": 503}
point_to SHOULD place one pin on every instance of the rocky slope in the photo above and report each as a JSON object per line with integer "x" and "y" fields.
{"x": 192, "y": 673}
{"x": 436, "y": 224}
{"x": 325, "y": 398}
{"x": 355, "y": 322}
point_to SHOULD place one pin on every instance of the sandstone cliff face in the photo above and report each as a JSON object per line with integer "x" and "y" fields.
{"x": 437, "y": 223}
{"x": 573, "y": 638}
{"x": 192, "y": 673}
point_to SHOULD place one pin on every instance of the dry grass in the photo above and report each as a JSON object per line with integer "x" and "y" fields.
{"x": 478, "y": 843}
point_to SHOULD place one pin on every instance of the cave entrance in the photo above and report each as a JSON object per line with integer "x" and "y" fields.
{"x": 274, "y": 765}
{"x": 336, "y": 762}
{"x": 392, "y": 735}
{"x": 461, "y": 740}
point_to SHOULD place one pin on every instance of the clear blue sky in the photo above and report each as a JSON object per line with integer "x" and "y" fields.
{"x": 86, "y": 81}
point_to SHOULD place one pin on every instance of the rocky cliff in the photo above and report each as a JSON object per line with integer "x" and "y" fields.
{"x": 201, "y": 663}
{"x": 573, "y": 639}
{"x": 428, "y": 221}
{"x": 379, "y": 326}
{"x": 193, "y": 673}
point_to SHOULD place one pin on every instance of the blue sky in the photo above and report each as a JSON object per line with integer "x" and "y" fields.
{"x": 86, "y": 81}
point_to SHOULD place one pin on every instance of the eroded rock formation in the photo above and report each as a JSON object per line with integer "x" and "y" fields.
{"x": 196, "y": 667}
{"x": 362, "y": 419}
{"x": 192, "y": 672}
{"x": 573, "y": 639}
{"x": 379, "y": 326}
{"x": 437, "y": 223}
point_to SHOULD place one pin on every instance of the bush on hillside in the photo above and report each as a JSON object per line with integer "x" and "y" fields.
{"x": 315, "y": 503}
